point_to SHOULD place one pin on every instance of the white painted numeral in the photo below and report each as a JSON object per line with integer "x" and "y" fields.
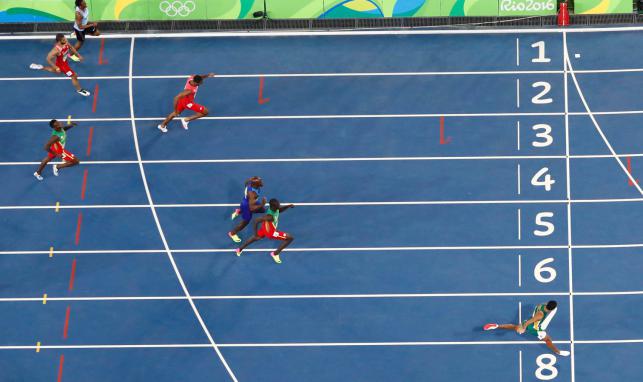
{"x": 547, "y": 180}
{"x": 540, "y": 45}
{"x": 549, "y": 271}
{"x": 538, "y": 98}
{"x": 546, "y": 135}
{"x": 552, "y": 372}
{"x": 549, "y": 226}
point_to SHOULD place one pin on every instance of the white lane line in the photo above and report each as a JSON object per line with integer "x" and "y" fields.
{"x": 322, "y": 296}
{"x": 518, "y": 93}
{"x": 519, "y": 226}
{"x": 160, "y": 229}
{"x": 329, "y": 249}
{"x": 569, "y": 215}
{"x": 520, "y": 312}
{"x": 517, "y": 51}
{"x": 519, "y": 271}
{"x": 518, "y": 178}
{"x": 518, "y": 134}
{"x": 520, "y": 366}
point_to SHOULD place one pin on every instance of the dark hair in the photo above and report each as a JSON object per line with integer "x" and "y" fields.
{"x": 198, "y": 79}
{"x": 274, "y": 204}
{"x": 551, "y": 305}
{"x": 59, "y": 37}
{"x": 52, "y": 123}
{"x": 79, "y": 2}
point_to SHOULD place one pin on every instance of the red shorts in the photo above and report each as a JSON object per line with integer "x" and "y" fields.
{"x": 64, "y": 68}
{"x": 187, "y": 103}
{"x": 57, "y": 150}
{"x": 271, "y": 233}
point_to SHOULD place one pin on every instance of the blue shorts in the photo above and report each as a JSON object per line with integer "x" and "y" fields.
{"x": 246, "y": 214}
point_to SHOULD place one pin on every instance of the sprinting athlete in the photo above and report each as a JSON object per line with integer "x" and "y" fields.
{"x": 266, "y": 227}
{"x": 82, "y": 26}
{"x": 249, "y": 205}
{"x": 59, "y": 53}
{"x": 185, "y": 100}
{"x": 55, "y": 147}
{"x": 536, "y": 325}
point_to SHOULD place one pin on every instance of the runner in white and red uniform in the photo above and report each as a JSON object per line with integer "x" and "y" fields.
{"x": 59, "y": 53}
{"x": 185, "y": 100}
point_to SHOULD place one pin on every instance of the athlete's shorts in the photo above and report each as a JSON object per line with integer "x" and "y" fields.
{"x": 64, "y": 68}
{"x": 541, "y": 334}
{"x": 58, "y": 151}
{"x": 271, "y": 233}
{"x": 246, "y": 214}
{"x": 80, "y": 35}
{"x": 187, "y": 103}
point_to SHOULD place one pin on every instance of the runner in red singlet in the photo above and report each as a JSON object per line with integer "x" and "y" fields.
{"x": 185, "y": 100}
{"x": 59, "y": 53}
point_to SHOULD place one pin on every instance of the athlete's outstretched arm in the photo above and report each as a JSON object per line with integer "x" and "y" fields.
{"x": 282, "y": 209}
{"x": 72, "y": 124}
{"x": 537, "y": 317}
{"x": 75, "y": 52}
{"x": 209, "y": 75}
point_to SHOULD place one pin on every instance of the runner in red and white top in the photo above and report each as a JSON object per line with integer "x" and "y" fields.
{"x": 59, "y": 53}
{"x": 185, "y": 100}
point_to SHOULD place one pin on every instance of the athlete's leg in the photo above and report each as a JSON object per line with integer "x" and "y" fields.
{"x": 44, "y": 162}
{"x": 284, "y": 244}
{"x": 51, "y": 69}
{"x": 198, "y": 115}
{"x": 239, "y": 227}
{"x": 170, "y": 117}
{"x": 74, "y": 81}
{"x": 248, "y": 242}
{"x": 70, "y": 163}
{"x": 79, "y": 44}
{"x": 553, "y": 347}
{"x": 508, "y": 327}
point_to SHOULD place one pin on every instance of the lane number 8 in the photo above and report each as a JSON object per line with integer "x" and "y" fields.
{"x": 548, "y": 366}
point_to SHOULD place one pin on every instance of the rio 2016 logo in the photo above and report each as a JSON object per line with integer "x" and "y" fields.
{"x": 527, "y": 5}
{"x": 177, "y": 8}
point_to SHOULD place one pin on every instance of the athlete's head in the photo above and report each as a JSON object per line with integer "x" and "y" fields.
{"x": 256, "y": 182}
{"x": 551, "y": 305}
{"x": 197, "y": 79}
{"x": 54, "y": 124}
{"x": 274, "y": 204}
{"x": 81, "y": 4}
{"x": 60, "y": 38}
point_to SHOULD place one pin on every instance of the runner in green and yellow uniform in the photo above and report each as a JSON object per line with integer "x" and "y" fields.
{"x": 536, "y": 325}
{"x": 55, "y": 148}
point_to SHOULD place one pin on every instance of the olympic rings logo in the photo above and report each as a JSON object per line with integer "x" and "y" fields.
{"x": 177, "y": 8}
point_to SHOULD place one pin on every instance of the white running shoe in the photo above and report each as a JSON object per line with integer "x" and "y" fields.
{"x": 564, "y": 353}
{"x": 184, "y": 123}
{"x": 275, "y": 258}
{"x": 83, "y": 92}
{"x": 163, "y": 129}
{"x": 38, "y": 176}
{"x": 55, "y": 170}
{"x": 36, "y": 66}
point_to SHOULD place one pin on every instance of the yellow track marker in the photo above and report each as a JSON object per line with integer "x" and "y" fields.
{"x": 51, "y": 251}
{"x": 38, "y": 347}
{"x": 57, "y": 207}
{"x": 44, "y": 299}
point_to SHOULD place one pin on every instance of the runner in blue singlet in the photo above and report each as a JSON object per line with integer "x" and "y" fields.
{"x": 249, "y": 205}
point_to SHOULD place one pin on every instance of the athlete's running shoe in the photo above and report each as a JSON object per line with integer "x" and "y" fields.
{"x": 490, "y": 327}
{"x": 38, "y": 176}
{"x": 74, "y": 58}
{"x": 234, "y": 238}
{"x": 184, "y": 123}
{"x": 564, "y": 353}
{"x": 238, "y": 251}
{"x": 83, "y": 92}
{"x": 55, "y": 168}
{"x": 235, "y": 214}
{"x": 162, "y": 128}
{"x": 275, "y": 258}
{"x": 36, "y": 66}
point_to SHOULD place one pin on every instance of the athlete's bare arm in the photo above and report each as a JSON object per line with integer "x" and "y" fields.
{"x": 51, "y": 58}
{"x": 69, "y": 126}
{"x": 282, "y": 209}
{"x": 51, "y": 141}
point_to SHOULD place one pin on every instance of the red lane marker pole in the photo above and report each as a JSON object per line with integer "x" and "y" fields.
{"x": 66, "y": 329}
{"x": 443, "y": 140}
{"x": 72, "y": 276}
{"x": 60, "y": 367}
{"x": 629, "y": 170}
{"x": 84, "y": 188}
{"x": 101, "y": 61}
{"x": 262, "y": 100}
{"x": 80, "y": 222}
{"x": 95, "y": 99}
{"x": 89, "y": 140}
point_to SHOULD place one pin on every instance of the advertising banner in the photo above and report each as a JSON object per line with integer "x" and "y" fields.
{"x": 603, "y": 6}
{"x": 527, "y": 7}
